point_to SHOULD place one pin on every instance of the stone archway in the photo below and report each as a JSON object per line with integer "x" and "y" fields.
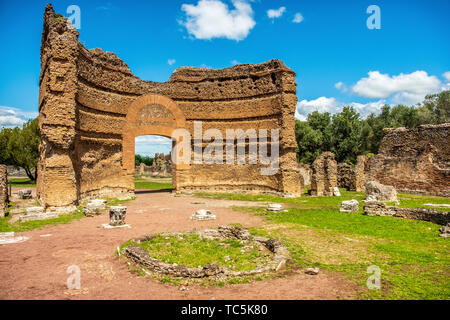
{"x": 150, "y": 114}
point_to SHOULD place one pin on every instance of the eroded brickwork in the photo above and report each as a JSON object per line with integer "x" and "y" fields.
{"x": 92, "y": 107}
{"x": 3, "y": 190}
{"x": 414, "y": 160}
{"x": 346, "y": 176}
{"x": 324, "y": 175}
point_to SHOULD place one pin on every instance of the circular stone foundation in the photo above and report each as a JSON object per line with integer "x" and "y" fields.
{"x": 137, "y": 254}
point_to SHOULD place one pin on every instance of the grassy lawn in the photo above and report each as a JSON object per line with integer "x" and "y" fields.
{"x": 192, "y": 251}
{"x": 17, "y": 226}
{"x": 414, "y": 261}
{"x": 22, "y": 182}
{"x": 140, "y": 183}
{"x": 5, "y": 226}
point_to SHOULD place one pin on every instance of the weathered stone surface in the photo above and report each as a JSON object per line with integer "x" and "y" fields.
{"x": 361, "y": 173}
{"x": 346, "y": 176}
{"x": 414, "y": 161}
{"x": 336, "y": 192}
{"x": 379, "y": 208}
{"x": 117, "y": 215}
{"x": 324, "y": 175}
{"x": 349, "y": 206}
{"x": 37, "y": 215}
{"x": 4, "y": 199}
{"x": 94, "y": 207}
{"x": 203, "y": 214}
{"x": 445, "y": 231}
{"x": 305, "y": 173}
{"x": 380, "y": 192}
{"x": 25, "y": 194}
{"x": 92, "y": 107}
{"x": 275, "y": 207}
{"x": 10, "y": 237}
{"x": 312, "y": 271}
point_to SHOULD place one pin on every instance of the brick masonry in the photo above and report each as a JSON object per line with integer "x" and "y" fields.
{"x": 3, "y": 190}
{"x": 91, "y": 108}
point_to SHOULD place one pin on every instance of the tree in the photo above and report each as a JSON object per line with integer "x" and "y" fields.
{"x": 435, "y": 108}
{"x": 346, "y": 135}
{"x": 20, "y": 147}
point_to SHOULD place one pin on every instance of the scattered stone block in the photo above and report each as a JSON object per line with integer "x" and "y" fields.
{"x": 34, "y": 210}
{"x": 61, "y": 210}
{"x": 9, "y": 237}
{"x": 117, "y": 215}
{"x": 25, "y": 194}
{"x": 203, "y": 214}
{"x": 275, "y": 207}
{"x": 376, "y": 191}
{"x": 445, "y": 231}
{"x": 349, "y": 206}
{"x": 312, "y": 271}
{"x": 336, "y": 192}
{"x": 38, "y": 216}
{"x": 94, "y": 207}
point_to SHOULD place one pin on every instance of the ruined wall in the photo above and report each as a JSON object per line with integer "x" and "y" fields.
{"x": 346, "y": 176}
{"x": 92, "y": 107}
{"x": 305, "y": 173}
{"x": 324, "y": 175}
{"x": 4, "y": 201}
{"x": 414, "y": 160}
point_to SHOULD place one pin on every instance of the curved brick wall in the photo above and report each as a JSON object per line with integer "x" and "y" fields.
{"x": 90, "y": 113}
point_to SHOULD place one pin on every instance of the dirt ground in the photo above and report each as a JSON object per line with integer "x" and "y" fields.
{"x": 37, "y": 268}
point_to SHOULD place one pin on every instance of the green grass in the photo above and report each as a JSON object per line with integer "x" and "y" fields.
{"x": 144, "y": 184}
{"x": 414, "y": 260}
{"x": 22, "y": 182}
{"x": 193, "y": 251}
{"x": 37, "y": 224}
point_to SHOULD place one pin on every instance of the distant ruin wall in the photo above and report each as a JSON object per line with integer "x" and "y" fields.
{"x": 324, "y": 175}
{"x": 91, "y": 108}
{"x": 4, "y": 201}
{"x": 414, "y": 161}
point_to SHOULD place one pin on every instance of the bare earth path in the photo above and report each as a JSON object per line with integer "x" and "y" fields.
{"x": 36, "y": 269}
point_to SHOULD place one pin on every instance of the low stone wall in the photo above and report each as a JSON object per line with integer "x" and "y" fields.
{"x": 378, "y": 208}
{"x": 143, "y": 258}
{"x": 3, "y": 190}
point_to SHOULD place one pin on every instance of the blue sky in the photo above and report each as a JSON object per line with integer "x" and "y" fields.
{"x": 338, "y": 60}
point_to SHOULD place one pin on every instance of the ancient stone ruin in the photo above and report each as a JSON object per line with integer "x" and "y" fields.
{"x": 305, "y": 173}
{"x": 141, "y": 257}
{"x": 4, "y": 199}
{"x": 414, "y": 160}
{"x": 161, "y": 166}
{"x": 361, "y": 172}
{"x": 346, "y": 176}
{"x": 324, "y": 175}
{"x": 379, "y": 192}
{"x": 91, "y": 108}
{"x": 379, "y": 208}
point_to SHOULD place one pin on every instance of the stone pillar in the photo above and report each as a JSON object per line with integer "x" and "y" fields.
{"x": 291, "y": 182}
{"x": 360, "y": 173}
{"x": 324, "y": 175}
{"x": 3, "y": 190}
{"x": 57, "y": 183}
{"x": 346, "y": 177}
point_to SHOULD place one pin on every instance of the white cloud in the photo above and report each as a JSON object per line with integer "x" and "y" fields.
{"x": 340, "y": 86}
{"x": 406, "y": 88}
{"x": 12, "y": 117}
{"x": 171, "y": 61}
{"x": 331, "y": 105}
{"x": 234, "y": 62}
{"x": 298, "y": 18}
{"x": 212, "y": 19}
{"x": 272, "y": 13}
{"x": 153, "y": 140}
{"x": 447, "y": 76}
